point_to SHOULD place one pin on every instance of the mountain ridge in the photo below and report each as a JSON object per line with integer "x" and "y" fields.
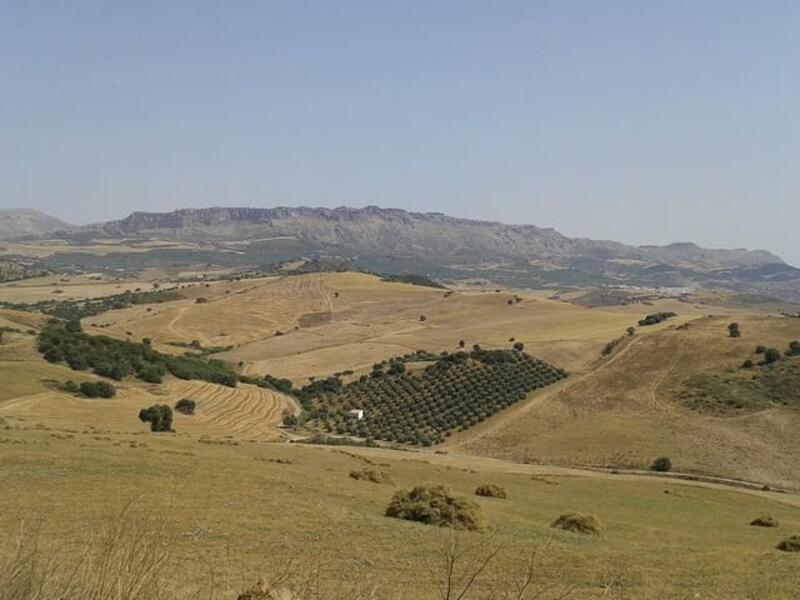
{"x": 392, "y": 240}
{"x": 170, "y": 223}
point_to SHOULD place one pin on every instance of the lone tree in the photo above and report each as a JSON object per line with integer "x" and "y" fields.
{"x": 661, "y": 465}
{"x": 159, "y": 416}
{"x": 733, "y": 330}
{"x": 519, "y": 346}
{"x": 185, "y": 406}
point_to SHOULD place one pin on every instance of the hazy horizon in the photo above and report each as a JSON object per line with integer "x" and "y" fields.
{"x": 638, "y": 123}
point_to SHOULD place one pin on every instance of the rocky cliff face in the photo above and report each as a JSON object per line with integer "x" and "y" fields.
{"x": 373, "y": 229}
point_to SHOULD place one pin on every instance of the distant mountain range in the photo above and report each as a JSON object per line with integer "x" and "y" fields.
{"x": 26, "y": 222}
{"x": 443, "y": 247}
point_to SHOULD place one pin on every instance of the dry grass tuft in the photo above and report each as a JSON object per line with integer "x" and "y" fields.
{"x": 490, "y": 490}
{"x": 125, "y": 561}
{"x": 764, "y": 522}
{"x": 790, "y": 544}
{"x": 434, "y": 505}
{"x": 578, "y": 523}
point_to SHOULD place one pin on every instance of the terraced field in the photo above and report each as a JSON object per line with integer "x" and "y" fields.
{"x": 245, "y": 413}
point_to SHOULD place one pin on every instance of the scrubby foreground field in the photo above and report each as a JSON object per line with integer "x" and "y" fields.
{"x": 227, "y": 515}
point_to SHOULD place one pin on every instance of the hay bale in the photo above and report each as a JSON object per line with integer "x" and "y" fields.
{"x": 489, "y": 490}
{"x": 764, "y": 522}
{"x": 790, "y": 544}
{"x": 434, "y": 505}
{"x": 578, "y": 523}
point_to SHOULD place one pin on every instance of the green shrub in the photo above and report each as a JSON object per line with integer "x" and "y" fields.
{"x": 733, "y": 330}
{"x": 662, "y": 465}
{"x": 656, "y": 318}
{"x": 185, "y": 406}
{"x": 434, "y": 505}
{"x": 772, "y": 355}
{"x": 489, "y": 490}
{"x": 578, "y": 523}
{"x": 371, "y": 475}
{"x": 790, "y": 544}
{"x": 158, "y": 415}
{"x": 97, "y": 389}
{"x": 764, "y": 522}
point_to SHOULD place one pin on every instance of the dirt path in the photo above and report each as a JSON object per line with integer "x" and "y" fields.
{"x": 496, "y": 465}
{"x": 178, "y": 317}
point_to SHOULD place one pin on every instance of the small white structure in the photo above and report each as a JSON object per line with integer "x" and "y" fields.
{"x": 357, "y": 414}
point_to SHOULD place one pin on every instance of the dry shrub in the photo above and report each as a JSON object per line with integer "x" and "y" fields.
{"x": 790, "y": 544}
{"x": 434, "y": 505}
{"x": 577, "y": 522}
{"x": 491, "y": 491}
{"x": 371, "y": 475}
{"x": 764, "y": 522}
{"x": 124, "y": 561}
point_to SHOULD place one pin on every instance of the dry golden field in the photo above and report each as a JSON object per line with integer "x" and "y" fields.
{"x": 238, "y": 503}
{"x": 234, "y": 512}
{"x": 623, "y": 412}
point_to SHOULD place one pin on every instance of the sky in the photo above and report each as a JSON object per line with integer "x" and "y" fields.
{"x": 637, "y": 121}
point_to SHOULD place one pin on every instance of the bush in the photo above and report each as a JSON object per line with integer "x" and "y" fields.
{"x": 790, "y": 544}
{"x": 772, "y": 355}
{"x": 185, "y": 406}
{"x": 489, "y": 490}
{"x": 748, "y": 364}
{"x": 578, "y": 523}
{"x": 159, "y": 416}
{"x": 662, "y": 465}
{"x": 764, "y": 522}
{"x": 371, "y": 475}
{"x": 761, "y": 349}
{"x": 433, "y": 505}
{"x": 656, "y": 318}
{"x": 733, "y": 330}
{"x": 97, "y": 389}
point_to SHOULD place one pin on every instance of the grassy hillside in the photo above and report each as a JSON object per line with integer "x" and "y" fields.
{"x": 234, "y": 513}
{"x": 631, "y": 408}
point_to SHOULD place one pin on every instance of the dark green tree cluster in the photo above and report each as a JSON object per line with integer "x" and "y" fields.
{"x": 159, "y": 416}
{"x": 455, "y": 392}
{"x": 75, "y": 310}
{"x": 92, "y": 389}
{"x": 118, "y": 359}
{"x": 269, "y": 382}
{"x": 656, "y": 318}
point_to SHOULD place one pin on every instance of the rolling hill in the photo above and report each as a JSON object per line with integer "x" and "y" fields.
{"x": 26, "y": 222}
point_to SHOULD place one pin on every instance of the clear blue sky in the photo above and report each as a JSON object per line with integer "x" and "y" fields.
{"x": 640, "y": 121}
